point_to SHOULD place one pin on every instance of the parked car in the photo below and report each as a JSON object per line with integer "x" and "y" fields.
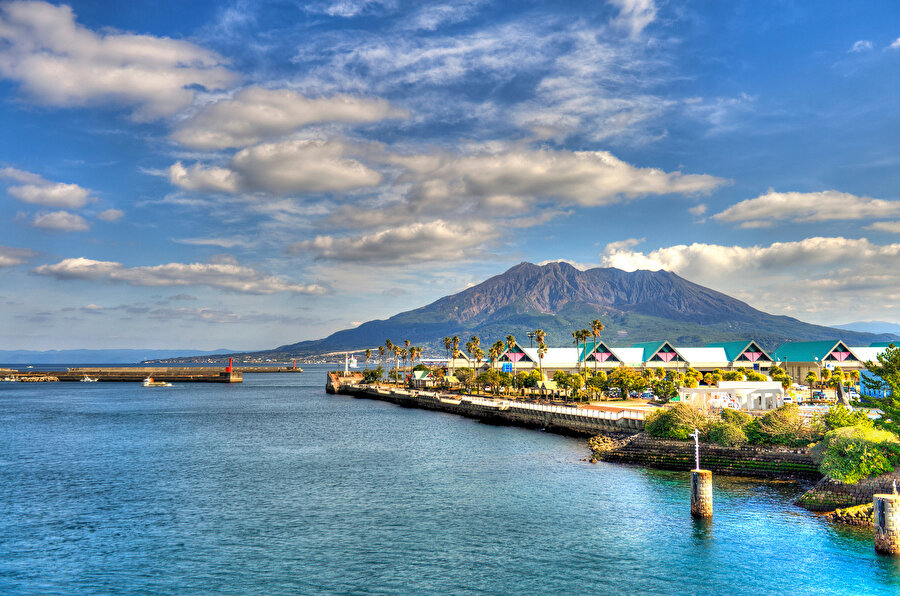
{"x": 818, "y": 395}
{"x": 647, "y": 395}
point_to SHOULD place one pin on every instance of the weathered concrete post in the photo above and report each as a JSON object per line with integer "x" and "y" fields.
{"x": 701, "y": 493}
{"x": 887, "y": 524}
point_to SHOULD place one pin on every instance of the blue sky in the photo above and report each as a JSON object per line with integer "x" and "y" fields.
{"x": 245, "y": 175}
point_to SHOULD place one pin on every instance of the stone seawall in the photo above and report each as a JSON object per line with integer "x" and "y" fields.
{"x": 631, "y": 446}
{"x": 829, "y": 495}
{"x": 759, "y": 462}
{"x": 548, "y": 417}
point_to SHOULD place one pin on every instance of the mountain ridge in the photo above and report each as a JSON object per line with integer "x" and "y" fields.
{"x": 634, "y": 306}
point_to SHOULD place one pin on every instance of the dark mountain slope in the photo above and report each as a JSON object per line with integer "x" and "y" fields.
{"x": 635, "y": 306}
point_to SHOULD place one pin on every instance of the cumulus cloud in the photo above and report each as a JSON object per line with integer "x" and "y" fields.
{"x": 892, "y": 227}
{"x": 225, "y": 276}
{"x": 111, "y": 215}
{"x": 61, "y": 221}
{"x": 38, "y": 191}
{"x": 10, "y": 257}
{"x": 256, "y": 114}
{"x": 60, "y": 63}
{"x": 895, "y": 45}
{"x": 829, "y": 205}
{"x": 634, "y": 15}
{"x": 420, "y": 242}
{"x": 821, "y": 277}
{"x": 287, "y": 167}
{"x": 862, "y": 45}
{"x": 507, "y": 177}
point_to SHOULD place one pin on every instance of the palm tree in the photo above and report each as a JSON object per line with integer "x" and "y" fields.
{"x": 578, "y": 335}
{"x": 510, "y": 344}
{"x": 454, "y": 345}
{"x": 478, "y": 353}
{"x": 404, "y": 355}
{"x": 448, "y": 343}
{"x": 389, "y": 346}
{"x": 539, "y": 335}
{"x": 368, "y": 357}
{"x": 397, "y": 363}
{"x": 596, "y": 328}
{"x": 498, "y": 347}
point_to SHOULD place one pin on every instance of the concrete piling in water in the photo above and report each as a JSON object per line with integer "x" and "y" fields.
{"x": 701, "y": 493}
{"x": 887, "y": 524}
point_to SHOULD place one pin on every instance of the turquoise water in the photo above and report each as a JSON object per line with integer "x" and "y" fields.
{"x": 273, "y": 487}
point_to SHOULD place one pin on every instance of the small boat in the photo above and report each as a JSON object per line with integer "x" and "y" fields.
{"x": 87, "y": 379}
{"x": 149, "y": 382}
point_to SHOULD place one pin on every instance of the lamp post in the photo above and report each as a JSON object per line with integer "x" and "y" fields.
{"x": 530, "y": 335}
{"x": 818, "y": 374}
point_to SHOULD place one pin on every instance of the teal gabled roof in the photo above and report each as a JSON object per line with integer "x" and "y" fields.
{"x": 421, "y": 375}
{"x": 652, "y": 347}
{"x": 734, "y": 349}
{"x": 588, "y": 348}
{"x": 806, "y": 351}
{"x": 518, "y": 348}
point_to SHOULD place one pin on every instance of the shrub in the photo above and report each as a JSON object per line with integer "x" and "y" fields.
{"x": 727, "y": 434}
{"x": 838, "y": 416}
{"x": 676, "y": 423}
{"x": 851, "y": 453}
{"x": 783, "y": 426}
{"x": 736, "y": 417}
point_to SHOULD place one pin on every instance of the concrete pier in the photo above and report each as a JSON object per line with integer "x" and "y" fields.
{"x": 701, "y": 493}
{"x": 887, "y": 524}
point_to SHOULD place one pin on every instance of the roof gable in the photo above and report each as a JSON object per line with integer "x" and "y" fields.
{"x": 742, "y": 351}
{"x": 598, "y": 352}
{"x": 659, "y": 351}
{"x": 810, "y": 351}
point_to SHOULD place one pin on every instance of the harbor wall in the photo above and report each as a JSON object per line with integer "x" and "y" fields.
{"x": 758, "y": 462}
{"x": 548, "y": 417}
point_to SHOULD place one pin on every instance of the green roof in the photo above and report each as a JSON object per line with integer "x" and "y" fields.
{"x": 421, "y": 375}
{"x": 805, "y": 351}
{"x": 650, "y": 348}
{"x": 588, "y": 348}
{"x": 734, "y": 349}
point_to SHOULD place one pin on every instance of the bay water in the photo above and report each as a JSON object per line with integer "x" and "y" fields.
{"x": 274, "y": 487}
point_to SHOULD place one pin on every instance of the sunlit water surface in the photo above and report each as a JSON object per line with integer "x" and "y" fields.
{"x": 274, "y": 487}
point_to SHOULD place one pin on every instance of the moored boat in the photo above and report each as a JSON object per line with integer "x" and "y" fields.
{"x": 149, "y": 382}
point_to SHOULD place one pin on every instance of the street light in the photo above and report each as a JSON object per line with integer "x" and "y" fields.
{"x": 818, "y": 375}
{"x": 530, "y": 335}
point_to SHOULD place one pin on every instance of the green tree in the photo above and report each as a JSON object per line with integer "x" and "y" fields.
{"x": 596, "y": 328}
{"x": 368, "y": 355}
{"x": 465, "y": 376}
{"x": 885, "y": 376}
{"x": 811, "y": 378}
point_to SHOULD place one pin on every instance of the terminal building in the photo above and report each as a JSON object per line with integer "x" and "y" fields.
{"x": 797, "y": 358}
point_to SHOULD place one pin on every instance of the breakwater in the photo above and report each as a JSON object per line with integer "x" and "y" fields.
{"x": 829, "y": 494}
{"x": 499, "y": 411}
{"x": 629, "y": 445}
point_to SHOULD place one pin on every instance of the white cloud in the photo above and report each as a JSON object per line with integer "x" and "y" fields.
{"x": 895, "y": 45}
{"x": 60, "y": 221}
{"x": 38, "y": 191}
{"x": 862, "y": 45}
{"x": 818, "y": 278}
{"x": 509, "y": 178}
{"x": 10, "y": 257}
{"x": 634, "y": 15}
{"x": 829, "y": 205}
{"x": 415, "y": 243}
{"x": 61, "y": 63}
{"x": 256, "y": 114}
{"x": 698, "y": 210}
{"x": 892, "y": 227}
{"x": 225, "y": 276}
{"x": 204, "y": 179}
{"x": 347, "y": 8}
{"x": 229, "y": 242}
{"x": 111, "y": 215}
{"x": 287, "y": 167}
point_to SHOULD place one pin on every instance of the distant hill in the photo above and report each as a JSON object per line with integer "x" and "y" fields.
{"x": 872, "y": 327}
{"x": 93, "y": 356}
{"x": 558, "y": 298}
